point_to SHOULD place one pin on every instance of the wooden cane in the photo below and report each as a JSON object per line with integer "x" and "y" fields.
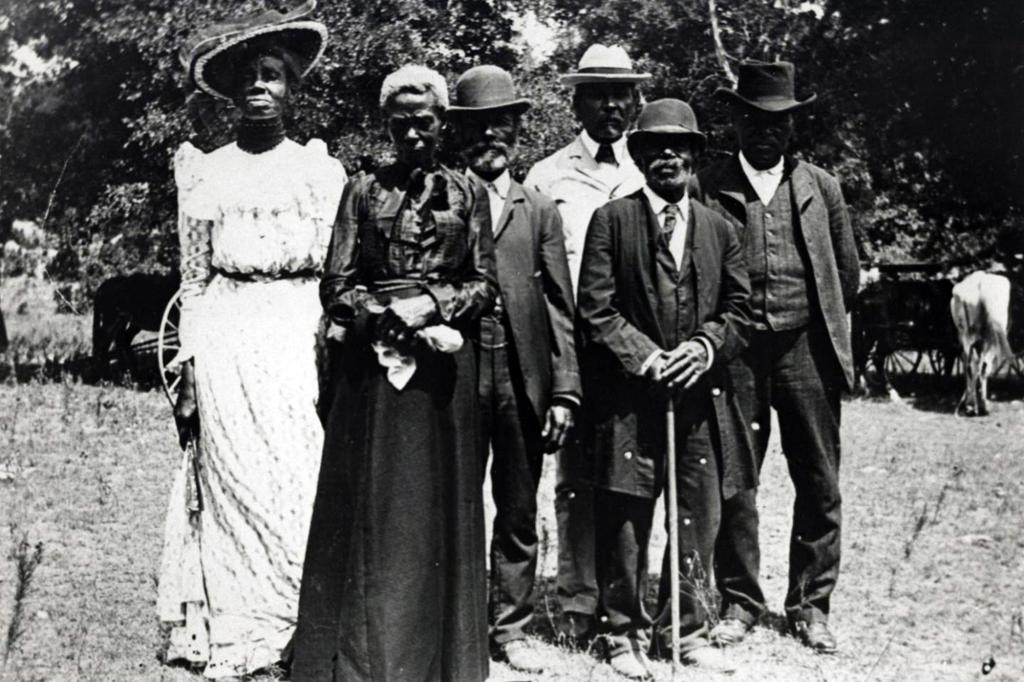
{"x": 672, "y": 509}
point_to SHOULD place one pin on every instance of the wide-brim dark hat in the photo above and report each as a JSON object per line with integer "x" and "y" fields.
{"x": 486, "y": 88}
{"x": 767, "y": 86}
{"x": 667, "y": 116}
{"x": 209, "y": 54}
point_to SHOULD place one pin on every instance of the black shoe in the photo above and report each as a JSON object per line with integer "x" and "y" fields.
{"x": 815, "y": 636}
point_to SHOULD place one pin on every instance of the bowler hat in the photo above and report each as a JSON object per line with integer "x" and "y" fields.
{"x": 208, "y": 54}
{"x": 667, "y": 116}
{"x": 486, "y": 88}
{"x": 765, "y": 86}
{"x": 603, "y": 64}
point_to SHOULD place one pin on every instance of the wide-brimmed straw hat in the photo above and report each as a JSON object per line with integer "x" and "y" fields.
{"x": 666, "y": 116}
{"x": 603, "y": 64}
{"x": 208, "y": 54}
{"x": 486, "y": 88}
{"x": 766, "y": 86}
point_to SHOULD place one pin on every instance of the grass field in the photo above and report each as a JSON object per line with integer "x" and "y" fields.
{"x": 932, "y": 582}
{"x": 931, "y": 587}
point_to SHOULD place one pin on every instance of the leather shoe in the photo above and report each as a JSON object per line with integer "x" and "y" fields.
{"x": 729, "y": 631}
{"x": 815, "y": 636}
{"x": 708, "y": 658}
{"x": 521, "y": 656}
{"x": 632, "y": 665}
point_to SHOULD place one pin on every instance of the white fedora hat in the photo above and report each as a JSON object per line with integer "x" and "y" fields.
{"x": 604, "y": 64}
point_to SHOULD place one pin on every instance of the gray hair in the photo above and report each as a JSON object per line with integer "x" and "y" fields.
{"x": 414, "y": 78}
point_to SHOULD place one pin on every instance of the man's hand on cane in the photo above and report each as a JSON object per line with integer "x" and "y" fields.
{"x": 683, "y": 365}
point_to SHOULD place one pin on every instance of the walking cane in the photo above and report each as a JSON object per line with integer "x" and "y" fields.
{"x": 672, "y": 509}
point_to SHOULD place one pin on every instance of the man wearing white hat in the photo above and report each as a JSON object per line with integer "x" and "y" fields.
{"x": 581, "y": 177}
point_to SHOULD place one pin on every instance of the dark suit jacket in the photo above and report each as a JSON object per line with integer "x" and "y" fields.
{"x": 824, "y": 223}
{"x": 624, "y": 412}
{"x": 536, "y": 290}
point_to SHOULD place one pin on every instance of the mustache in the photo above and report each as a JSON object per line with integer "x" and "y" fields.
{"x": 481, "y": 148}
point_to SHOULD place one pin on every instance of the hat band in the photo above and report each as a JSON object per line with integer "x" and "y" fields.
{"x": 605, "y": 69}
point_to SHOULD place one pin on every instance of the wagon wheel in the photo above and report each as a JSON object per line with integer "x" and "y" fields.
{"x": 903, "y": 362}
{"x": 938, "y": 359}
{"x": 168, "y": 346}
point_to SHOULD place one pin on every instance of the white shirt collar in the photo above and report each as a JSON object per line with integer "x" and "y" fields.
{"x": 502, "y": 184}
{"x": 658, "y": 204}
{"x": 591, "y": 145}
{"x": 765, "y": 182}
{"x": 752, "y": 172}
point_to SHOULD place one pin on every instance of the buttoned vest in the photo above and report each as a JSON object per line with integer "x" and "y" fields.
{"x": 777, "y": 261}
{"x": 677, "y": 290}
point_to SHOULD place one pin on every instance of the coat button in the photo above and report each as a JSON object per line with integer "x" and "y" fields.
{"x": 628, "y": 454}
{"x": 716, "y": 391}
{"x": 686, "y": 522}
{"x": 755, "y": 426}
{"x": 703, "y": 460}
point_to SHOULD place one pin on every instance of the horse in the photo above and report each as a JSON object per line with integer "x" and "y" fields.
{"x": 123, "y": 306}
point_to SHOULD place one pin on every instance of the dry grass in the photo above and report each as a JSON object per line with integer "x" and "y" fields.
{"x": 931, "y": 585}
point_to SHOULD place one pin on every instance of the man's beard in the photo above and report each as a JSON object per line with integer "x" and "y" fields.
{"x": 488, "y": 155}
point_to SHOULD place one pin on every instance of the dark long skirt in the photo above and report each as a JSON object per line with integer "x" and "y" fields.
{"x": 394, "y": 583}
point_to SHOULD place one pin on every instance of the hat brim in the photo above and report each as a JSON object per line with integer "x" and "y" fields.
{"x": 518, "y": 106}
{"x": 635, "y": 137}
{"x": 573, "y": 79}
{"x": 775, "y": 106}
{"x": 305, "y": 39}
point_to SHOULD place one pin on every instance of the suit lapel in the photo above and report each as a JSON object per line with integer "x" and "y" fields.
{"x": 733, "y": 186}
{"x": 803, "y": 186}
{"x": 515, "y": 196}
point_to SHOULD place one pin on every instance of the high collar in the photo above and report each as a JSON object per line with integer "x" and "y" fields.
{"x": 256, "y": 137}
{"x": 591, "y": 145}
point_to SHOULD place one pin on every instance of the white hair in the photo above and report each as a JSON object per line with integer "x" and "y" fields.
{"x": 414, "y": 78}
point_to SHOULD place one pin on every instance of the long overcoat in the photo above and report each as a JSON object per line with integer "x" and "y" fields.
{"x": 624, "y": 412}
{"x": 822, "y": 221}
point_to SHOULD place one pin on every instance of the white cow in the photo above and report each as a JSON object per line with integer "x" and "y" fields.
{"x": 981, "y": 311}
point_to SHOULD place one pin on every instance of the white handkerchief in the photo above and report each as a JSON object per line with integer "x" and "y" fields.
{"x": 440, "y": 337}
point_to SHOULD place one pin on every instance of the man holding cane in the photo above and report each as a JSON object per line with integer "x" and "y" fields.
{"x": 663, "y": 305}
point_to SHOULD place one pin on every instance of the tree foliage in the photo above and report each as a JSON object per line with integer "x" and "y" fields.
{"x": 918, "y": 113}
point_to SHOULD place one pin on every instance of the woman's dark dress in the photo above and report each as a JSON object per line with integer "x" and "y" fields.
{"x": 394, "y": 584}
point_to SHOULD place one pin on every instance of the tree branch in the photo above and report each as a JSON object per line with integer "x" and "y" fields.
{"x": 716, "y": 34}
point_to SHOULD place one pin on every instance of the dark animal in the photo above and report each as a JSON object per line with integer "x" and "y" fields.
{"x": 122, "y": 307}
{"x": 988, "y": 311}
{"x": 893, "y": 315}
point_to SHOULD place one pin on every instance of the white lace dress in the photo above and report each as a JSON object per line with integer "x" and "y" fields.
{"x": 254, "y": 228}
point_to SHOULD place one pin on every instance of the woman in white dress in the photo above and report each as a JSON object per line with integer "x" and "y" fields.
{"x": 255, "y": 219}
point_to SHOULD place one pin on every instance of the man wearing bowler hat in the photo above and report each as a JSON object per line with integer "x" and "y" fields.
{"x": 585, "y": 174}
{"x": 529, "y": 384}
{"x": 804, "y": 274}
{"x": 663, "y": 308}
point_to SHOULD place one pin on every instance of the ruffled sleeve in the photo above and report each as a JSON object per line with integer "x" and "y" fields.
{"x": 195, "y": 221}
{"x": 328, "y": 184}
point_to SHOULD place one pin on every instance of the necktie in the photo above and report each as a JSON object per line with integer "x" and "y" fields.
{"x": 671, "y": 217}
{"x": 605, "y": 154}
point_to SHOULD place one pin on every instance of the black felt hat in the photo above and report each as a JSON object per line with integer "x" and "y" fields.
{"x": 667, "y": 116}
{"x": 767, "y": 86}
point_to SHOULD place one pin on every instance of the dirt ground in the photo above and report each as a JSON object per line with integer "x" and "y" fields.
{"x": 931, "y": 587}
